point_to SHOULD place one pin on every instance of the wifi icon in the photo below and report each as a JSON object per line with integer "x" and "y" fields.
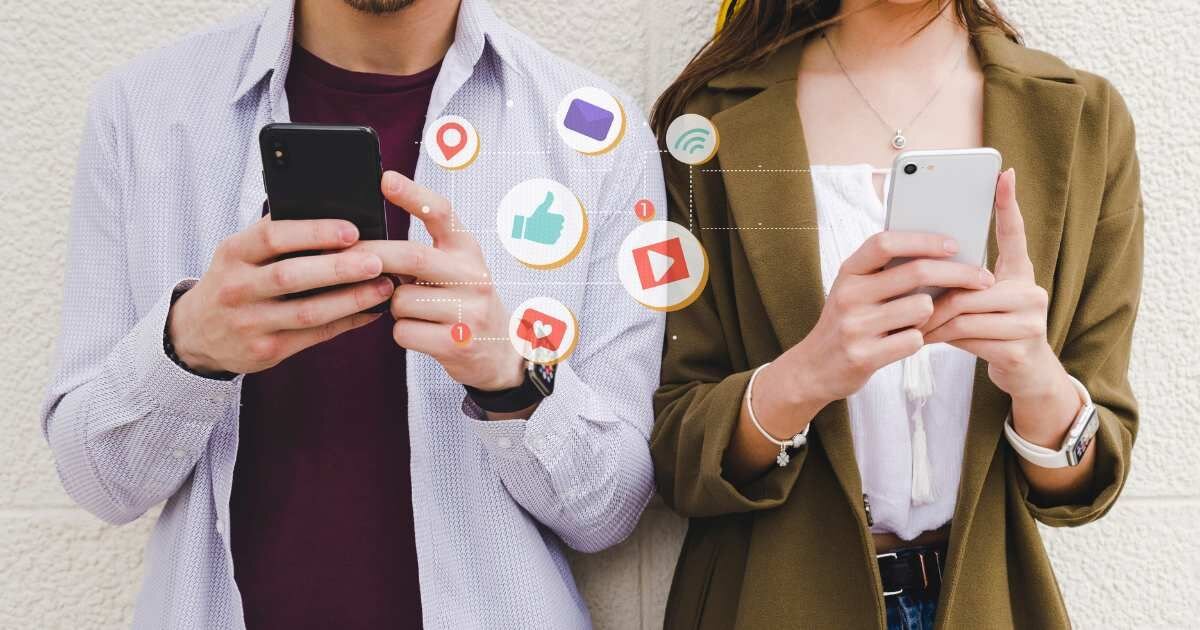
{"x": 692, "y": 139}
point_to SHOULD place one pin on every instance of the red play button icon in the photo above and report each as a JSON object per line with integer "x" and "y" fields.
{"x": 660, "y": 263}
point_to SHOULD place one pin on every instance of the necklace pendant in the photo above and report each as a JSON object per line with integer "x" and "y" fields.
{"x": 898, "y": 141}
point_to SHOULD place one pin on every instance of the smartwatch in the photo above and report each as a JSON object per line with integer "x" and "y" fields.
{"x": 538, "y": 384}
{"x": 1083, "y": 431}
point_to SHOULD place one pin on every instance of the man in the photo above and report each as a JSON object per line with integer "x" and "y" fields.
{"x": 279, "y": 431}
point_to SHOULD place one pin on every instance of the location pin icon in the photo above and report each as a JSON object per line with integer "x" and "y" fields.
{"x": 457, "y": 141}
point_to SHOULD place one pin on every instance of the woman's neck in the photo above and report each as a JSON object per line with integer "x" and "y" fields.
{"x": 896, "y": 36}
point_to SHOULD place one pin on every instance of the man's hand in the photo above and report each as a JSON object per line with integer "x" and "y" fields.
{"x": 452, "y": 285}
{"x": 235, "y": 319}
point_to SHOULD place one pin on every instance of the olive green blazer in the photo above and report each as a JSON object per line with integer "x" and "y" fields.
{"x": 792, "y": 549}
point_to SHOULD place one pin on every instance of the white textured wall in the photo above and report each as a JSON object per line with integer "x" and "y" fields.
{"x": 59, "y": 567}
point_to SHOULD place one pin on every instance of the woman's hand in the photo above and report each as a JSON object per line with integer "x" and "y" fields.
{"x": 870, "y": 319}
{"x": 1006, "y": 326}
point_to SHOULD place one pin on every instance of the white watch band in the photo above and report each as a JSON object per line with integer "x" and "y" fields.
{"x": 796, "y": 441}
{"x": 1061, "y": 458}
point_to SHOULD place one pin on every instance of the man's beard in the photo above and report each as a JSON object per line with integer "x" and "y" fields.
{"x": 379, "y": 7}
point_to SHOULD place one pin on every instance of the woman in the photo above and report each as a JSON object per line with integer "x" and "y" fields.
{"x": 825, "y": 487}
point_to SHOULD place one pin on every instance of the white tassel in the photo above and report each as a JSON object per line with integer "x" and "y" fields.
{"x": 918, "y": 388}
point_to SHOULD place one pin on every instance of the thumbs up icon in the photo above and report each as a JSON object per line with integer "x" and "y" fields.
{"x": 540, "y": 227}
{"x": 541, "y": 223}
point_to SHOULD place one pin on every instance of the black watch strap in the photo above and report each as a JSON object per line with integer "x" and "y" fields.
{"x": 169, "y": 350}
{"x": 538, "y": 384}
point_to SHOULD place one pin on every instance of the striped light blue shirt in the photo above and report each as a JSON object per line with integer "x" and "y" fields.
{"x": 169, "y": 168}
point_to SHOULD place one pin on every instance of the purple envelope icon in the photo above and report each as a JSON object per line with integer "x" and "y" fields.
{"x": 589, "y": 120}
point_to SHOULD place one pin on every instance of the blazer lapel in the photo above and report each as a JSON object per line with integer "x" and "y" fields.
{"x": 1031, "y": 114}
{"x": 763, "y": 161}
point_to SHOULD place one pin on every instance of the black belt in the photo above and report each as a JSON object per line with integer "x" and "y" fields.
{"x": 912, "y": 571}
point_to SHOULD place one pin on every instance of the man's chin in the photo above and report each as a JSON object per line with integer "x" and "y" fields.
{"x": 379, "y": 7}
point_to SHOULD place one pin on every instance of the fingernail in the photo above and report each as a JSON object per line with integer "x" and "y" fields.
{"x": 372, "y": 266}
{"x": 986, "y": 278}
{"x": 348, "y": 234}
{"x": 384, "y": 286}
{"x": 950, "y": 246}
{"x": 391, "y": 181}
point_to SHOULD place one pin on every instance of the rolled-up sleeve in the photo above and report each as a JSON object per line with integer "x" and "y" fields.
{"x": 126, "y": 425}
{"x": 1098, "y": 344}
{"x": 581, "y": 463}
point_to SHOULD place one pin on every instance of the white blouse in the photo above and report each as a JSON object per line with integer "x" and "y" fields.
{"x": 848, "y": 212}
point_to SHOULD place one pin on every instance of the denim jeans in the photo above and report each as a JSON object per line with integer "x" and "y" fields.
{"x": 907, "y": 613}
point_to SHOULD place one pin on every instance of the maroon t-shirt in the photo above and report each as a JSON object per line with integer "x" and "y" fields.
{"x": 321, "y": 511}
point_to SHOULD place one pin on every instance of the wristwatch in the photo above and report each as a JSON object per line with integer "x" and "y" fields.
{"x": 1083, "y": 430}
{"x": 538, "y": 384}
{"x": 169, "y": 348}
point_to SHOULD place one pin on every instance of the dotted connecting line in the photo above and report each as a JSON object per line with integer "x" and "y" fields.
{"x": 691, "y": 204}
{"x": 537, "y": 284}
{"x": 755, "y": 170}
{"x": 759, "y": 169}
{"x": 459, "y": 301}
{"x": 797, "y": 227}
{"x": 456, "y": 300}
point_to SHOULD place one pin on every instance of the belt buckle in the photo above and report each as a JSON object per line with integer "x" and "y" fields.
{"x": 878, "y": 556}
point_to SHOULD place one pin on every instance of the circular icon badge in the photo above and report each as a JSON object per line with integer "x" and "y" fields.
{"x": 541, "y": 223}
{"x": 590, "y": 120}
{"x": 451, "y": 142}
{"x": 662, "y": 265}
{"x": 692, "y": 139}
{"x": 543, "y": 330}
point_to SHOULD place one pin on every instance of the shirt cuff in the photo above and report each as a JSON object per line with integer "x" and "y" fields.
{"x": 172, "y": 389}
{"x": 547, "y": 432}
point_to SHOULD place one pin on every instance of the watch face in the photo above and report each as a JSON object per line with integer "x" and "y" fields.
{"x": 1079, "y": 448}
{"x": 542, "y": 377}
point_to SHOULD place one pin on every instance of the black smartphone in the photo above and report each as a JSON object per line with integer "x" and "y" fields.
{"x": 324, "y": 172}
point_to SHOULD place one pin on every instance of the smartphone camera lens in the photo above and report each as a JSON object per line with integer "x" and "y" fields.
{"x": 909, "y": 169}
{"x": 279, "y": 153}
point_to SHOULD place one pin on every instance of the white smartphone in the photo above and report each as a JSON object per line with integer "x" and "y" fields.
{"x": 949, "y": 192}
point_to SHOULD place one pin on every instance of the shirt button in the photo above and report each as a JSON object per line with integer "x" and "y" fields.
{"x": 220, "y": 527}
{"x": 504, "y": 442}
{"x": 178, "y": 453}
{"x": 219, "y": 398}
{"x": 540, "y": 443}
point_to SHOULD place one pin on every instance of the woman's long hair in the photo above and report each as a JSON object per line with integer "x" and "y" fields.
{"x": 760, "y": 27}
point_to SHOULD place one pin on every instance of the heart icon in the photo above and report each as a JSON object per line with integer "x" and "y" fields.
{"x": 540, "y": 330}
